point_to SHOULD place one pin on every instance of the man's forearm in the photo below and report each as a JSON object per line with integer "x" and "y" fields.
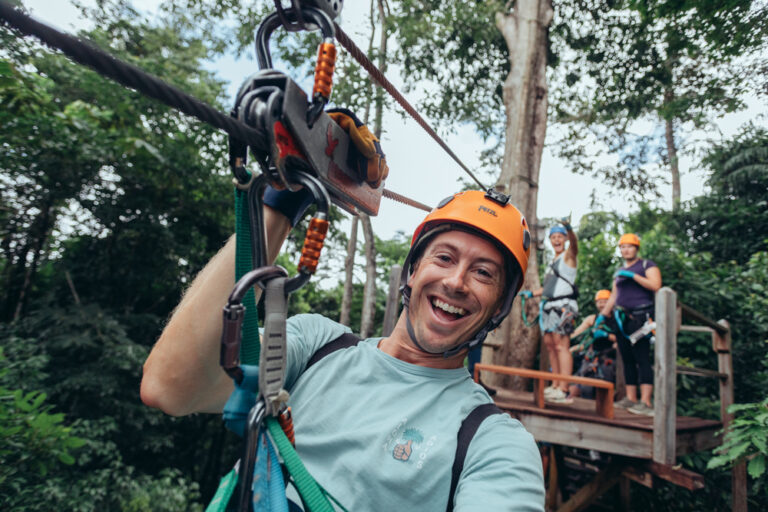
{"x": 182, "y": 373}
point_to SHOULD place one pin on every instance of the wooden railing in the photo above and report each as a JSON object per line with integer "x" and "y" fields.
{"x": 669, "y": 317}
{"x": 603, "y": 388}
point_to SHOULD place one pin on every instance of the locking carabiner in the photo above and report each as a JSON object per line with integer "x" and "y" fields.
{"x": 326, "y": 56}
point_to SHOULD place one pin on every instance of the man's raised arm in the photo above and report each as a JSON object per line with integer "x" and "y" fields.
{"x": 182, "y": 373}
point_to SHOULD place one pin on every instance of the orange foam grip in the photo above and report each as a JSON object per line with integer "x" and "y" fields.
{"x": 285, "y": 419}
{"x": 313, "y": 244}
{"x": 326, "y": 62}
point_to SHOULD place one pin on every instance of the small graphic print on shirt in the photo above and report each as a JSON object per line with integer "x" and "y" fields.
{"x": 410, "y": 440}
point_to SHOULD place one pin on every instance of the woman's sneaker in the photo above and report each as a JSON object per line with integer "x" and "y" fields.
{"x": 625, "y": 403}
{"x": 550, "y": 390}
{"x": 558, "y": 396}
{"x": 642, "y": 409}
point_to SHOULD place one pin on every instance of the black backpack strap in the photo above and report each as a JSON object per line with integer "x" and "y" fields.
{"x": 346, "y": 340}
{"x": 466, "y": 432}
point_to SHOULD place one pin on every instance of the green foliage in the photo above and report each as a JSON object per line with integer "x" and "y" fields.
{"x": 684, "y": 63}
{"x": 732, "y": 223}
{"x": 34, "y": 441}
{"x": 746, "y": 440}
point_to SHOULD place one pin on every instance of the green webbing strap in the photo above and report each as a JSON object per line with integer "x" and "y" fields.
{"x": 223, "y": 493}
{"x": 314, "y": 496}
{"x": 249, "y": 349}
{"x": 522, "y": 309}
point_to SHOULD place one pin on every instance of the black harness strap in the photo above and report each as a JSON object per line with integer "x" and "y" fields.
{"x": 468, "y": 427}
{"x": 466, "y": 432}
{"x": 574, "y": 289}
{"x": 346, "y": 340}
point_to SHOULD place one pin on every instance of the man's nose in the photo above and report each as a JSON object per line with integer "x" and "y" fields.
{"x": 456, "y": 280}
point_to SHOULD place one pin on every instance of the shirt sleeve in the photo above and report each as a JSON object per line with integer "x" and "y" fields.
{"x": 306, "y": 334}
{"x": 502, "y": 471}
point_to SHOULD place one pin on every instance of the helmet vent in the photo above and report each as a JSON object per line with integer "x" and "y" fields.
{"x": 445, "y": 201}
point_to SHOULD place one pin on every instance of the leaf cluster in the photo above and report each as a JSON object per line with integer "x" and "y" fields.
{"x": 746, "y": 440}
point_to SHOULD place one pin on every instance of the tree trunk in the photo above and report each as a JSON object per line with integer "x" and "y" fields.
{"x": 39, "y": 232}
{"x": 525, "y": 30}
{"x": 382, "y": 63}
{"x": 674, "y": 167}
{"x": 369, "y": 291}
{"x": 349, "y": 267}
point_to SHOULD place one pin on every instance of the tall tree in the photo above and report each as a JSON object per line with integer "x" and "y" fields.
{"x": 675, "y": 65}
{"x": 487, "y": 62}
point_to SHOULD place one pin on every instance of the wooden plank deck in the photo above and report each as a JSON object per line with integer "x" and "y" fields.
{"x": 578, "y": 425}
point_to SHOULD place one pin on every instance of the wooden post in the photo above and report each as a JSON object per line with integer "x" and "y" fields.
{"x": 665, "y": 377}
{"x": 721, "y": 343}
{"x": 393, "y": 300}
{"x": 625, "y": 494}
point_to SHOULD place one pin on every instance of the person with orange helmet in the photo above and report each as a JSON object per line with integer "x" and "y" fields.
{"x": 631, "y": 303}
{"x": 558, "y": 310}
{"x": 384, "y": 413}
{"x": 598, "y": 353}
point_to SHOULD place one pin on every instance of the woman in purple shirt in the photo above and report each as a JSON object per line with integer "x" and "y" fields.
{"x": 634, "y": 286}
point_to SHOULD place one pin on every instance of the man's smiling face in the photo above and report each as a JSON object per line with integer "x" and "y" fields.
{"x": 456, "y": 287}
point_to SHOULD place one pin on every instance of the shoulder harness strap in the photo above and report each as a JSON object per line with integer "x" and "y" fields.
{"x": 346, "y": 340}
{"x": 466, "y": 432}
{"x": 574, "y": 289}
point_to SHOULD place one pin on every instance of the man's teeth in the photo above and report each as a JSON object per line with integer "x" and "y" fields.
{"x": 448, "y": 308}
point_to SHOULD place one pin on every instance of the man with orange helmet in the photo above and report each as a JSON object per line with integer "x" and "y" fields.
{"x": 631, "y": 303}
{"x": 384, "y": 412}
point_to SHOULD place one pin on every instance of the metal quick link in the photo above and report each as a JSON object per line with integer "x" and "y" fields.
{"x": 273, "y": 346}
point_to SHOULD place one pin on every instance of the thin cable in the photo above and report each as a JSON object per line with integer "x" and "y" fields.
{"x": 379, "y": 77}
{"x": 405, "y": 200}
{"x": 131, "y": 76}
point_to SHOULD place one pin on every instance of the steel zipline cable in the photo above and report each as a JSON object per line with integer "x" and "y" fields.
{"x": 136, "y": 78}
{"x": 130, "y": 76}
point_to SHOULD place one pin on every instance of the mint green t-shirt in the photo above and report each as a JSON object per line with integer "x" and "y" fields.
{"x": 380, "y": 434}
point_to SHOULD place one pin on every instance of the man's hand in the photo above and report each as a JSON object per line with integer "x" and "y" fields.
{"x": 624, "y": 273}
{"x": 566, "y": 222}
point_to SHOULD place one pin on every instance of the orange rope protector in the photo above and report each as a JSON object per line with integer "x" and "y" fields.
{"x": 285, "y": 419}
{"x": 313, "y": 244}
{"x": 326, "y": 62}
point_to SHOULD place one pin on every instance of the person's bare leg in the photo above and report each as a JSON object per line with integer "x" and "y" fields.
{"x": 554, "y": 362}
{"x": 632, "y": 392}
{"x": 646, "y": 393}
{"x": 565, "y": 358}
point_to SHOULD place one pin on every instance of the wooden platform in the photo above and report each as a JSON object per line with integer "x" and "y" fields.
{"x": 626, "y": 434}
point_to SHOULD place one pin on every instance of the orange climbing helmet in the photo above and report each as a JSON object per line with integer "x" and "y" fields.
{"x": 486, "y": 214}
{"x": 603, "y": 295}
{"x": 629, "y": 238}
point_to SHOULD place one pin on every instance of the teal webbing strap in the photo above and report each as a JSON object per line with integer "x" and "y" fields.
{"x": 314, "y": 496}
{"x": 249, "y": 349}
{"x": 522, "y": 309}
{"x": 227, "y": 486}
